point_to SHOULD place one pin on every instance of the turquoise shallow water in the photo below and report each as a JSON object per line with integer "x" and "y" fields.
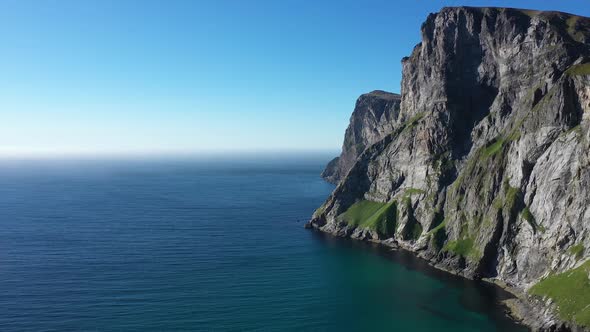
{"x": 209, "y": 246}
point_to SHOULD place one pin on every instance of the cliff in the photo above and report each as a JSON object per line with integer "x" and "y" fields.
{"x": 483, "y": 169}
{"x": 375, "y": 116}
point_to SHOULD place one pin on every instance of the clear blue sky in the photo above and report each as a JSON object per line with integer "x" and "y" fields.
{"x": 186, "y": 76}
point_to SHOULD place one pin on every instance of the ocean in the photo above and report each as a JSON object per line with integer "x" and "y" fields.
{"x": 210, "y": 244}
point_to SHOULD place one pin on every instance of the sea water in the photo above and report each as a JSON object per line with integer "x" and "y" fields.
{"x": 206, "y": 244}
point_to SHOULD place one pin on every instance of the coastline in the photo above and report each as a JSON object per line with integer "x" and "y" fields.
{"x": 479, "y": 165}
{"x": 523, "y": 309}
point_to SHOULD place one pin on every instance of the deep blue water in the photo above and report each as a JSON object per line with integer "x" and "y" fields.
{"x": 203, "y": 245}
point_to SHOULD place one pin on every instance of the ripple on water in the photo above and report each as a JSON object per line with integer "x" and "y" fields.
{"x": 170, "y": 245}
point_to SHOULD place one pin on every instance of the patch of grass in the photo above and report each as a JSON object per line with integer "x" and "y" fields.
{"x": 414, "y": 191}
{"x": 380, "y": 217}
{"x": 498, "y": 203}
{"x": 487, "y": 222}
{"x": 582, "y": 69}
{"x": 358, "y": 213}
{"x": 494, "y": 147}
{"x": 513, "y": 203}
{"x": 512, "y": 196}
{"x": 319, "y": 211}
{"x": 463, "y": 247}
{"x": 546, "y": 98}
{"x": 514, "y": 135}
{"x": 413, "y": 121}
{"x": 570, "y": 291}
{"x": 416, "y": 231}
{"x": 577, "y": 251}
{"x": 528, "y": 216}
{"x": 438, "y": 227}
{"x": 437, "y": 219}
{"x": 577, "y": 129}
{"x": 438, "y": 235}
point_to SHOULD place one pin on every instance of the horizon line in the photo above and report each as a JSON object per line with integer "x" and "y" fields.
{"x": 147, "y": 154}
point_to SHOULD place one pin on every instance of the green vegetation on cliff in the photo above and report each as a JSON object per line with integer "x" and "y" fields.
{"x": 530, "y": 218}
{"x": 438, "y": 235}
{"x": 380, "y": 217}
{"x": 413, "y": 191}
{"x": 438, "y": 228}
{"x": 494, "y": 147}
{"x": 582, "y": 69}
{"x": 413, "y": 122}
{"x": 319, "y": 211}
{"x": 570, "y": 291}
{"x": 415, "y": 231}
{"x": 412, "y": 229}
{"x": 577, "y": 251}
{"x": 462, "y": 247}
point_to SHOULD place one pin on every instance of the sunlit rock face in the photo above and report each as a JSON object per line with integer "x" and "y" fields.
{"x": 375, "y": 116}
{"x": 486, "y": 153}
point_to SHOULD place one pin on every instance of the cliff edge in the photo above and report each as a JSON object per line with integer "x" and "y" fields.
{"x": 375, "y": 116}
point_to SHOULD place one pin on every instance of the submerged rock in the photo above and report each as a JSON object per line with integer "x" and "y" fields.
{"x": 486, "y": 154}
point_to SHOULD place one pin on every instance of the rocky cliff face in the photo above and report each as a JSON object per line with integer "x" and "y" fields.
{"x": 485, "y": 169}
{"x": 375, "y": 116}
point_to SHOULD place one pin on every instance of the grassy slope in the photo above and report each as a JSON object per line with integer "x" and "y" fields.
{"x": 380, "y": 217}
{"x": 570, "y": 290}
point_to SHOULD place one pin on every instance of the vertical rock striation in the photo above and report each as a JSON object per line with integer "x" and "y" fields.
{"x": 374, "y": 116}
{"x": 484, "y": 167}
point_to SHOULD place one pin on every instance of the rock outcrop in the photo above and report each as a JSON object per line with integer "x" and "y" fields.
{"x": 484, "y": 167}
{"x": 375, "y": 116}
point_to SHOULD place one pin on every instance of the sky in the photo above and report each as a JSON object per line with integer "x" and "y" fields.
{"x": 129, "y": 77}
